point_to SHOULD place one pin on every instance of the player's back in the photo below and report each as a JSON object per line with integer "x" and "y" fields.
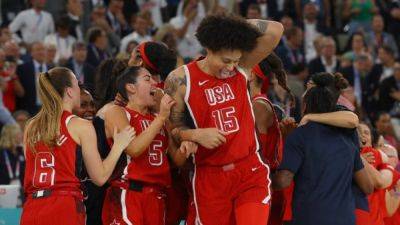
{"x": 224, "y": 104}
{"x": 56, "y": 168}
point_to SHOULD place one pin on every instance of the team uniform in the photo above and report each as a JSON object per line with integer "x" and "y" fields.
{"x": 138, "y": 195}
{"x": 271, "y": 152}
{"x": 52, "y": 184}
{"x": 232, "y": 174}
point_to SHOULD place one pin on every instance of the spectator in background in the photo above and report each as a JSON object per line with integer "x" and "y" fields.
{"x": 297, "y": 78}
{"x": 291, "y": 50}
{"x": 327, "y": 62}
{"x": 186, "y": 24}
{"x": 360, "y": 13}
{"x": 155, "y": 7}
{"x": 287, "y": 22}
{"x": 253, "y": 12}
{"x": 141, "y": 33}
{"x": 33, "y": 23}
{"x": 28, "y": 75}
{"x": 62, "y": 40}
{"x": 115, "y": 17}
{"x": 356, "y": 75}
{"x": 13, "y": 87}
{"x": 12, "y": 160}
{"x": 98, "y": 19}
{"x": 377, "y": 37}
{"x": 389, "y": 93}
{"x": 77, "y": 63}
{"x": 51, "y": 52}
{"x": 356, "y": 45}
{"x": 393, "y": 21}
{"x": 5, "y": 115}
{"x": 129, "y": 48}
{"x": 384, "y": 127}
{"x": 21, "y": 117}
{"x": 11, "y": 50}
{"x": 74, "y": 13}
{"x": 378, "y": 73}
{"x": 5, "y": 35}
{"x": 96, "y": 49}
{"x": 312, "y": 29}
{"x": 167, "y": 35}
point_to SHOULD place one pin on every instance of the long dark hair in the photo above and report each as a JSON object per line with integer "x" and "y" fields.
{"x": 322, "y": 97}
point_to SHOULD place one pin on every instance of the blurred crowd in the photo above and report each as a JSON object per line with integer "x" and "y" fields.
{"x": 357, "y": 38}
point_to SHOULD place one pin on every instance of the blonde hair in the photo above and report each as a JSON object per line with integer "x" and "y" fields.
{"x": 8, "y": 136}
{"x": 45, "y": 126}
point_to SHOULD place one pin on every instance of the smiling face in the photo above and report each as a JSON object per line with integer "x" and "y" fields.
{"x": 144, "y": 89}
{"x": 223, "y": 63}
{"x": 364, "y": 134}
{"x": 87, "y": 108}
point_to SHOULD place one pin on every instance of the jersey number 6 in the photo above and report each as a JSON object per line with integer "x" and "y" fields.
{"x": 44, "y": 170}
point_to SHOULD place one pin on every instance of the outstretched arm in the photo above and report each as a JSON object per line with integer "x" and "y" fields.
{"x": 272, "y": 32}
{"x": 345, "y": 119}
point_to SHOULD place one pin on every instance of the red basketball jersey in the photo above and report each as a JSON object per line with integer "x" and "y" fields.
{"x": 224, "y": 104}
{"x": 54, "y": 168}
{"x": 271, "y": 143}
{"x": 152, "y": 165}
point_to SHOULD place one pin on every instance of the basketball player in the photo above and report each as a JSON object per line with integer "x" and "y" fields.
{"x": 230, "y": 182}
{"x": 137, "y": 197}
{"x": 55, "y": 143}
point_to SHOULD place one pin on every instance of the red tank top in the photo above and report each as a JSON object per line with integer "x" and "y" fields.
{"x": 224, "y": 104}
{"x": 271, "y": 143}
{"x": 54, "y": 168}
{"x": 152, "y": 165}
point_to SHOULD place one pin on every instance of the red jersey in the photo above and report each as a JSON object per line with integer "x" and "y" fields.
{"x": 56, "y": 168}
{"x": 224, "y": 104}
{"x": 152, "y": 165}
{"x": 377, "y": 155}
{"x": 271, "y": 142}
{"x": 393, "y": 220}
{"x": 8, "y": 94}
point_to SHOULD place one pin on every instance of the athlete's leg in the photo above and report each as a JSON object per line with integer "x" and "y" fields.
{"x": 154, "y": 208}
{"x": 252, "y": 214}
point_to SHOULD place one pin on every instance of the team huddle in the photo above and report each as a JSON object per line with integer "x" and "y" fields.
{"x": 209, "y": 120}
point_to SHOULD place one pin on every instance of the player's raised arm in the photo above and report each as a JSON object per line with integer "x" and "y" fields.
{"x": 271, "y": 33}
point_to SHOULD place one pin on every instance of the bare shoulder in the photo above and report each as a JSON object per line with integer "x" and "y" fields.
{"x": 175, "y": 82}
{"x": 112, "y": 110}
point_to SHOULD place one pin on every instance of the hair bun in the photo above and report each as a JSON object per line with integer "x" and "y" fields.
{"x": 323, "y": 79}
{"x": 340, "y": 82}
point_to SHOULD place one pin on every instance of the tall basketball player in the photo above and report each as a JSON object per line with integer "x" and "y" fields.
{"x": 231, "y": 183}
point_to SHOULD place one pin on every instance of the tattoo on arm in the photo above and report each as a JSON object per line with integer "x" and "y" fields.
{"x": 173, "y": 82}
{"x": 262, "y": 25}
{"x": 177, "y": 116}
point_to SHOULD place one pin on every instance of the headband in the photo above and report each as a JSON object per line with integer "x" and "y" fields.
{"x": 257, "y": 71}
{"x": 146, "y": 60}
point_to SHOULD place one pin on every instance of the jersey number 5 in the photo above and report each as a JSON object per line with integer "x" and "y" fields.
{"x": 44, "y": 170}
{"x": 225, "y": 119}
{"x": 155, "y": 153}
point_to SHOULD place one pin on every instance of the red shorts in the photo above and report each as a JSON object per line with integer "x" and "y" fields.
{"x": 218, "y": 191}
{"x": 191, "y": 215}
{"x": 176, "y": 204}
{"x": 127, "y": 207}
{"x": 60, "y": 210}
{"x": 277, "y": 208}
{"x": 362, "y": 217}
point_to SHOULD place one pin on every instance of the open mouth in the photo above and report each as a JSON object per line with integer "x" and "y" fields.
{"x": 153, "y": 92}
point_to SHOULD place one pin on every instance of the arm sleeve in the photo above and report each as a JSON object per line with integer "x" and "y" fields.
{"x": 293, "y": 152}
{"x": 358, "y": 164}
{"x": 16, "y": 24}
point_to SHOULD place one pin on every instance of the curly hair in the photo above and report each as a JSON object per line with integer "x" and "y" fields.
{"x": 227, "y": 32}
